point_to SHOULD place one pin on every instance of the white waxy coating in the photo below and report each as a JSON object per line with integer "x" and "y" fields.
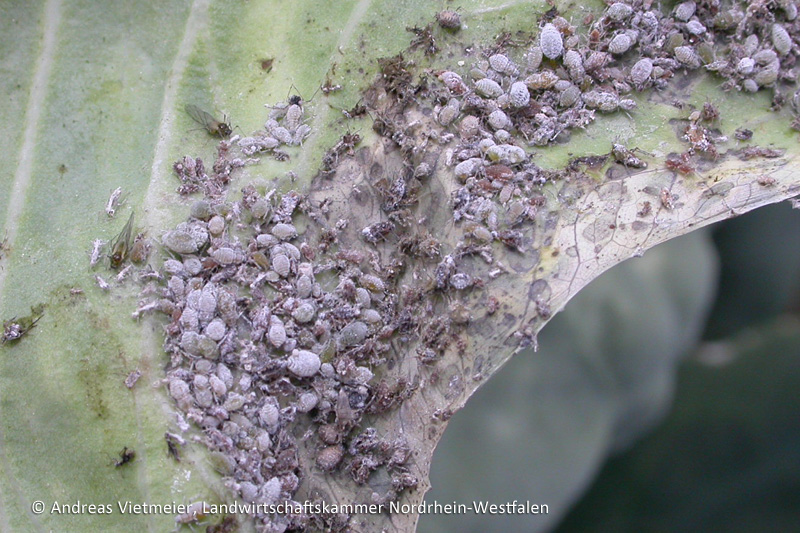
{"x": 551, "y": 42}
{"x": 303, "y": 363}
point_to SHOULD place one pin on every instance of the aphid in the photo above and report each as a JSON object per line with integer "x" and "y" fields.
{"x": 213, "y": 126}
{"x": 766, "y": 181}
{"x": 140, "y": 249}
{"x": 695, "y": 27}
{"x": 574, "y": 63}
{"x": 281, "y": 265}
{"x": 132, "y": 378}
{"x": 113, "y": 202}
{"x": 284, "y": 232}
{"x": 120, "y": 245}
{"x": 640, "y": 72}
{"x": 745, "y": 66}
{"x": 518, "y": 94}
{"x": 781, "y": 39}
{"x": 620, "y": 44}
{"x": 541, "y": 80}
{"x": 619, "y": 11}
{"x": 743, "y": 134}
{"x": 125, "y": 456}
{"x": 533, "y": 58}
{"x": 448, "y": 19}
{"x": 488, "y": 88}
{"x": 277, "y": 333}
{"x": 377, "y": 232}
{"x": 685, "y": 10}
{"x": 626, "y": 157}
{"x": 551, "y": 42}
{"x": 303, "y": 363}
{"x": 503, "y": 65}
{"x": 687, "y": 56}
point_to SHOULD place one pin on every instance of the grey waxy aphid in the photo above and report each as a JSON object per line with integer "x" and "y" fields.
{"x": 506, "y": 153}
{"x": 468, "y": 168}
{"x": 263, "y": 441}
{"x": 226, "y": 256}
{"x": 695, "y": 27}
{"x": 307, "y": 401}
{"x": 620, "y": 44}
{"x": 284, "y": 232}
{"x": 447, "y": 115}
{"x": 283, "y": 135}
{"x": 685, "y": 10}
{"x": 687, "y": 56}
{"x": 266, "y": 240}
{"x": 551, "y": 42}
{"x": 750, "y": 85}
{"x": 789, "y": 9}
{"x": 619, "y": 11}
{"x": 303, "y": 131}
{"x": 174, "y": 267}
{"x": 541, "y": 80}
{"x": 574, "y": 63}
{"x": 234, "y": 402}
{"x": 303, "y": 363}
{"x": 304, "y": 286}
{"x": 362, "y": 375}
{"x": 502, "y": 136}
{"x": 482, "y": 234}
{"x": 641, "y": 71}
{"x": 201, "y": 210}
{"x": 601, "y": 100}
{"x": 518, "y": 94}
{"x": 745, "y": 65}
{"x": 189, "y": 320}
{"x": 363, "y": 297}
{"x": 751, "y": 44}
{"x": 281, "y": 265}
{"x": 224, "y": 373}
{"x": 533, "y": 59}
{"x": 277, "y": 332}
{"x": 304, "y": 313}
{"x": 569, "y": 96}
{"x": 499, "y": 120}
{"x": 352, "y": 334}
{"x": 292, "y": 251}
{"x": 215, "y": 329}
{"x": 485, "y": 144}
{"x": 503, "y": 64}
{"x": 488, "y": 88}
{"x": 217, "y": 386}
{"x": 371, "y": 316}
{"x": 766, "y": 57}
{"x": 766, "y": 76}
{"x": 192, "y": 265}
{"x": 179, "y": 390}
{"x": 216, "y": 225}
{"x": 469, "y": 127}
{"x": 177, "y": 286}
{"x": 372, "y": 283}
{"x": 203, "y": 397}
{"x": 180, "y": 242}
{"x": 781, "y": 40}
{"x": 293, "y": 118}
{"x": 261, "y": 208}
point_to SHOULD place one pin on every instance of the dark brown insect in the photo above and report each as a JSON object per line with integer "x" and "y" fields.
{"x": 120, "y": 248}
{"x": 173, "y": 443}
{"x": 213, "y": 126}
{"x": 125, "y": 456}
{"x": 679, "y": 163}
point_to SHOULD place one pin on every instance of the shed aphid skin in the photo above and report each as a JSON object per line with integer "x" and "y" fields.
{"x": 114, "y": 201}
{"x": 120, "y": 247}
{"x": 216, "y": 128}
{"x": 96, "y": 251}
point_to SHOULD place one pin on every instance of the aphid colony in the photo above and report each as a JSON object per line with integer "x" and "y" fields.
{"x": 277, "y": 324}
{"x": 266, "y": 328}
